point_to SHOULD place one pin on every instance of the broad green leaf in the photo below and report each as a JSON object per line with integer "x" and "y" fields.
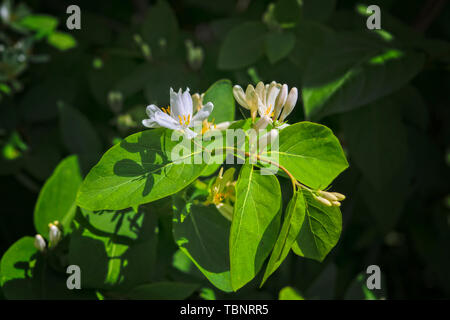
{"x": 202, "y": 233}
{"x": 293, "y": 219}
{"x": 123, "y": 223}
{"x": 163, "y": 291}
{"x": 354, "y": 69}
{"x": 16, "y": 269}
{"x": 242, "y": 46}
{"x": 279, "y": 45}
{"x": 255, "y": 224}
{"x": 311, "y": 153}
{"x": 220, "y": 94}
{"x": 56, "y": 200}
{"x": 79, "y": 136}
{"x": 140, "y": 169}
{"x": 111, "y": 262}
{"x": 320, "y": 230}
{"x": 62, "y": 41}
{"x": 289, "y": 293}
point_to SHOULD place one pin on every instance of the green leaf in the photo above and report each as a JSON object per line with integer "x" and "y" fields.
{"x": 61, "y": 40}
{"x": 140, "y": 169}
{"x": 311, "y": 153}
{"x": 79, "y": 136}
{"x": 320, "y": 230}
{"x": 255, "y": 224}
{"x": 111, "y": 262}
{"x": 243, "y": 46}
{"x": 352, "y": 70}
{"x": 289, "y": 293}
{"x": 16, "y": 269}
{"x": 220, "y": 94}
{"x": 163, "y": 291}
{"x": 279, "y": 45}
{"x": 202, "y": 233}
{"x": 293, "y": 219}
{"x": 42, "y": 24}
{"x": 56, "y": 200}
{"x": 122, "y": 223}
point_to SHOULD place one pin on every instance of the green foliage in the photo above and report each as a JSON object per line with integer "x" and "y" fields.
{"x": 255, "y": 223}
{"x": 142, "y": 224}
{"x": 56, "y": 201}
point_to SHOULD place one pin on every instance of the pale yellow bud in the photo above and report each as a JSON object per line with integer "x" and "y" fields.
{"x": 197, "y": 101}
{"x": 328, "y": 196}
{"x": 239, "y": 95}
{"x": 336, "y": 203}
{"x": 323, "y": 201}
{"x": 291, "y": 100}
{"x": 280, "y": 101}
{"x": 338, "y": 195}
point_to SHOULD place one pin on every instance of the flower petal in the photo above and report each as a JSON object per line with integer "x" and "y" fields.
{"x": 187, "y": 102}
{"x": 149, "y": 123}
{"x": 166, "y": 121}
{"x": 202, "y": 114}
{"x": 151, "y": 110}
{"x": 189, "y": 133}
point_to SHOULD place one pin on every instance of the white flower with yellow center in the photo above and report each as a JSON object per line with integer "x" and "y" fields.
{"x": 179, "y": 115}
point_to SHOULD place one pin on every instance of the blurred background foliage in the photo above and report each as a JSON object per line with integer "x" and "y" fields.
{"x": 384, "y": 94}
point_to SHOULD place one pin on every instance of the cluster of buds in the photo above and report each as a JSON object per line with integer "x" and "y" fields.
{"x": 54, "y": 234}
{"x": 329, "y": 198}
{"x": 222, "y": 193}
{"x": 273, "y": 102}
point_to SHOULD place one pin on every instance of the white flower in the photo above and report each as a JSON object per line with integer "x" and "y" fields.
{"x": 271, "y": 101}
{"x": 39, "y": 243}
{"x": 179, "y": 115}
{"x": 54, "y": 234}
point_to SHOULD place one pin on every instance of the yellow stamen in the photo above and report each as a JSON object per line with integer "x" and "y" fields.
{"x": 188, "y": 120}
{"x": 268, "y": 111}
{"x": 181, "y": 120}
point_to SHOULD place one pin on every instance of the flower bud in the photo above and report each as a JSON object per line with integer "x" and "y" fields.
{"x": 239, "y": 95}
{"x": 291, "y": 100}
{"x": 197, "y": 101}
{"x": 336, "y": 203}
{"x": 252, "y": 101}
{"x": 338, "y": 195}
{"x": 328, "y": 195}
{"x": 280, "y": 101}
{"x": 261, "y": 92}
{"x": 226, "y": 210}
{"x": 54, "y": 234}
{"x": 39, "y": 243}
{"x": 323, "y": 201}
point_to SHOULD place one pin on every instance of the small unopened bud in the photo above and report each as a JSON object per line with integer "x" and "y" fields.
{"x": 197, "y": 101}
{"x": 336, "y": 203}
{"x": 324, "y": 201}
{"x": 226, "y": 210}
{"x": 252, "y": 101}
{"x": 291, "y": 100}
{"x": 328, "y": 196}
{"x": 240, "y": 97}
{"x": 223, "y": 125}
{"x": 338, "y": 195}
{"x": 280, "y": 101}
{"x": 54, "y": 234}
{"x": 261, "y": 92}
{"x": 39, "y": 243}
